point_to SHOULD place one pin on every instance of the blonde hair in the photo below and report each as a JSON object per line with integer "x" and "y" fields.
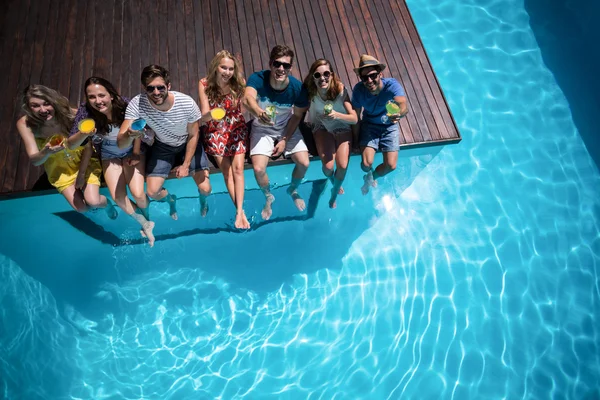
{"x": 237, "y": 84}
{"x": 62, "y": 110}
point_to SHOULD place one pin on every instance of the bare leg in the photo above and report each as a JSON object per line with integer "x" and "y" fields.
{"x": 224, "y": 164}
{"x": 390, "y": 159}
{"x": 204, "y": 189}
{"x": 94, "y": 199}
{"x": 301, "y": 160}
{"x": 133, "y": 176}
{"x": 259, "y": 164}
{"x": 368, "y": 155}
{"x": 342, "y": 156}
{"x": 75, "y": 199}
{"x": 237, "y": 167}
{"x": 156, "y": 191}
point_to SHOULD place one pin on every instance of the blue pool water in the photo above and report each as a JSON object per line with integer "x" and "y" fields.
{"x": 470, "y": 273}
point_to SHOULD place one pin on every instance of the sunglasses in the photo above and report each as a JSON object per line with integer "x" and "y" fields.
{"x": 160, "y": 88}
{"x": 318, "y": 75}
{"x": 372, "y": 76}
{"x": 278, "y": 64}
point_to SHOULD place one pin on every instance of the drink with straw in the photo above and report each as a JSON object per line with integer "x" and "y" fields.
{"x": 271, "y": 112}
{"x": 328, "y": 108}
{"x": 87, "y": 125}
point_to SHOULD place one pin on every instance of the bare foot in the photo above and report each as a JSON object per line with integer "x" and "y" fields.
{"x": 267, "y": 211}
{"x": 241, "y": 222}
{"x": 111, "y": 210}
{"x": 203, "y": 206}
{"x": 147, "y": 232}
{"x": 172, "y": 200}
{"x": 298, "y": 201}
{"x": 369, "y": 182}
{"x": 332, "y": 200}
{"x": 341, "y": 191}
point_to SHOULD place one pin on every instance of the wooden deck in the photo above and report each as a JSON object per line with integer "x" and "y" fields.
{"x": 60, "y": 43}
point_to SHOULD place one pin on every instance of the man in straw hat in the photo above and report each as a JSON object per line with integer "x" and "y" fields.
{"x": 378, "y": 127}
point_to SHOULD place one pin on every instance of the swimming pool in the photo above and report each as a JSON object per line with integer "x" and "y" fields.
{"x": 471, "y": 272}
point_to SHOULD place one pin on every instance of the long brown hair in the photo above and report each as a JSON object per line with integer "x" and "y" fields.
{"x": 335, "y": 86}
{"x": 237, "y": 84}
{"x": 118, "y": 105}
{"x": 62, "y": 110}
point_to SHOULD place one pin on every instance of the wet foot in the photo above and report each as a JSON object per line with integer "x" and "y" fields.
{"x": 298, "y": 201}
{"x": 332, "y": 200}
{"x": 146, "y": 232}
{"x": 341, "y": 191}
{"x": 369, "y": 182}
{"x": 267, "y": 211}
{"x": 172, "y": 200}
{"x": 203, "y": 206}
{"x": 111, "y": 210}
{"x": 241, "y": 222}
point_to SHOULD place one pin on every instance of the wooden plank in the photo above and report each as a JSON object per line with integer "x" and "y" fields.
{"x": 255, "y": 50}
{"x": 417, "y": 77}
{"x": 190, "y": 48}
{"x": 197, "y": 12}
{"x": 236, "y": 44}
{"x": 182, "y": 60}
{"x": 284, "y": 22}
{"x": 215, "y": 19}
{"x": 209, "y": 42}
{"x": 415, "y": 120}
{"x": 163, "y": 38}
{"x": 77, "y": 79}
{"x": 268, "y": 27}
{"x": 261, "y": 39}
{"x": 245, "y": 39}
{"x": 129, "y": 75}
{"x": 117, "y": 72}
{"x": 451, "y": 130}
{"x": 276, "y": 21}
{"x": 346, "y": 56}
{"x": 300, "y": 61}
{"x": 17, "y": 18}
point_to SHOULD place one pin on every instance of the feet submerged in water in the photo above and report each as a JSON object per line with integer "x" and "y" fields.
{"x": 241, "y": 222}
{"x": 203, "y": 206}
{"x": 267, "y": 210}
{"x": 298, "y": 201}
{"x": 172, "y": 200}
{"x": 146, "y": 232}
{"x": 369, "y": 182}
{"x": 111, "y": 210}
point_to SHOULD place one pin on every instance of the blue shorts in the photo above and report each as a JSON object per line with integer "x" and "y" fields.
{"x": 163, "y": 158}
{"x": 109, "y": 150}
{"x": 380, "y": 137}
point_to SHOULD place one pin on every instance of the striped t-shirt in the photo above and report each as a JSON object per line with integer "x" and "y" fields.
{"x": 170, "y": 126}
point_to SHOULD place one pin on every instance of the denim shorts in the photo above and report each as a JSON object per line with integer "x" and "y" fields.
{"x": 109, "y": 150}
{"x": 163, "y": 158}
{"x": 380, "y": 137}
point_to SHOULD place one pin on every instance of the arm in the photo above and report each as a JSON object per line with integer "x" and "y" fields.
{"x": 401, "y": 101}
{"x": 290, "y": 128}
{"x": 190, "y": 149}
{"x": 204, "y": 104}
{"x": 126, "y": 136}
{"x": 37, "y": 157}
{"x": 349, "y": 117}
{"x": 250, "y": 104}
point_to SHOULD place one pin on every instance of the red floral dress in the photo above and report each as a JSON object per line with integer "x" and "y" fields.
{"x": 227, "y": 137}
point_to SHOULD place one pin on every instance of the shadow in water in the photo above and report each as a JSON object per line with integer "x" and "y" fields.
{"x": 96, "y": 231}
{"x": 568, "y": 36}
{"x": 76, "y": 255}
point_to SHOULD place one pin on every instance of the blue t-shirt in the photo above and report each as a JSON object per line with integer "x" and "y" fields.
{"x": 374, "y": 105}
{"x": 294, "y": 94}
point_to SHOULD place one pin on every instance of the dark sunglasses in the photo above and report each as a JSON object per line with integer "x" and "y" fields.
{"x": 326, "y": 75}
{"x": 278, "y": 64}
{"x": 372, "y": 76}
{"x": 160, "y": 88}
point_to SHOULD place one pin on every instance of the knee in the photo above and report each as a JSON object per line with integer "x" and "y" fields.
{"x": 366, "y": 165}
{"x": 390, "y": 167}
{"x": 137, "y": 193}
{"x": 328, "y": 168}
{"x": 259, "y": 170}
{"x": 204, "y": 187}
{"x": 80, "y": 206}
{"x": 238, "y": 169}
{"x": 303, "y": 165}
{"x": 153, "y": 193}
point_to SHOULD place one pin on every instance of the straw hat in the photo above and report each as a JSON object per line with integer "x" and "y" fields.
{"x": 368, "y": 61}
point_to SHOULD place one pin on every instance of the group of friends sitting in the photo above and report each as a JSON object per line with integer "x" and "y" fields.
{"x": 142, "y": 140}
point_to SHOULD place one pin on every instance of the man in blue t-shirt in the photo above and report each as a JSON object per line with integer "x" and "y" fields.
{"x": 378, "y": 128}
{"x": 277, "y": 101}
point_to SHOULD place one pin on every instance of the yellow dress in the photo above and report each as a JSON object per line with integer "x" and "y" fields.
{"x": 62, "y": 167}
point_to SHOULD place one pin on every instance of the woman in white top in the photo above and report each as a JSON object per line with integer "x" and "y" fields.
{"x": 122, "y": 167}
{"x": 330, "y": 116}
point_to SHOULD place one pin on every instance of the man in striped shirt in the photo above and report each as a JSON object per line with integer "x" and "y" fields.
{"x": 174, "y": 118}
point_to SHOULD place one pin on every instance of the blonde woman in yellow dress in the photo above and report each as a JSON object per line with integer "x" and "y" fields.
{"x": 44, "y": 128}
